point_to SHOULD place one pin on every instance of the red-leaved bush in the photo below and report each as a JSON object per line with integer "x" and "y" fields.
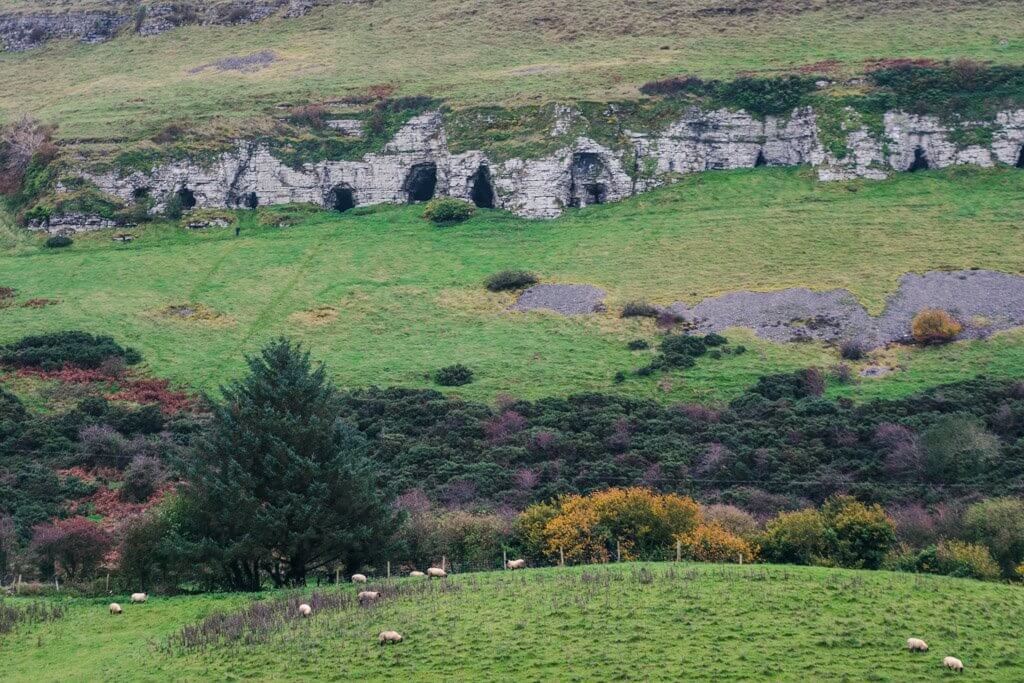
{"x": 73, "y": 546}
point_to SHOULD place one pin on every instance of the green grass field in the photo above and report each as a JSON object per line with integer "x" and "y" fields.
{"x": 408, "y": 296}
{"x": 625, "y": 622}
{"x": 478, "y": 52}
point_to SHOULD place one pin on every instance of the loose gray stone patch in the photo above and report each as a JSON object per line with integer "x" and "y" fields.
{"x": 984, "y": 301}
{"x": 247, "y": 64}
{"x": 564, "y": 299}
{"x": 875, "y": 371}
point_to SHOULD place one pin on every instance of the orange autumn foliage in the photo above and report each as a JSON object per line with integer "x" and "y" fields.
{"x": 712, "y": 543}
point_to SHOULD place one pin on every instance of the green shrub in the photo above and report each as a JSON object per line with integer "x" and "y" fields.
{"x": 640, "y": 309}
{"x": 859, "y": 535}
{"x": 999, "y": 524}
{"x": 795, "y": 538}
{"x": 448, "y": 210}
{"x": 55, "y": 350}
{"x": 508, "y": 280}
{"x": 453, "y": 375}
{"x": 714, "y": 340}
{"x": 956, "y": 446}
{"x": 638, "y": 345}
{"x": 950, "y": 558}
{"x": 58, "y": 242}
{"x": 680, "y": 350}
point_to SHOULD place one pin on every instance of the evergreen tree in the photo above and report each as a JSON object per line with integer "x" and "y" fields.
{"x": 280, "y": 484}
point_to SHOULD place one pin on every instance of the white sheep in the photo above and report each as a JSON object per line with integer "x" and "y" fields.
{"x": 115, "y": 608}
{"x": 437, "y": 572}
{"x": 359, "y": 578}
{"x": 516, "y": 564}
{"x": 389, "y": 637}
{"x": 305, "y": 610}
{"x": 416, "y": 573}
{"x": 139, "y": 597}
{"x": 953, "y": 663}
{"x": 368, "y": 596}
{"x": 917, "y": 645}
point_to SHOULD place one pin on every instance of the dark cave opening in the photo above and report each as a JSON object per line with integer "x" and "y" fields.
{"x": 250, "y": 200}
{"x": 421, "y": 182}
{"x": 760, "y": 161}
{"x": 341, "y": 198}
{"x": 595, "y": 193}
{"x": 920, "y": 161}
{"x": 140, "y": 193}
{"x": 482, "y": 191}
{"x": 187, "y": 198}
{"x": 1020, "y": 158}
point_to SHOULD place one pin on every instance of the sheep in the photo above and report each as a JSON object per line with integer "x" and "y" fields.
{"x": 305, "y": 610}
{"x": 516, "y": 564}
{"x": 953, "y": 663}
{"x": 368, "y": 596}
{"x": 917, "y": 645}
{"x": 416, "y": 573}
{"x": 115, "y": 608}
{"x": 139, "y": 597}
{"x": 389, "y": 637}
{"x": 359, "y": 578}
{"x": 437, "y": 572}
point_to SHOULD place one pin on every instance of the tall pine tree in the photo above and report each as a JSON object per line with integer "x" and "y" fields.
{"x": 281, "y": 485}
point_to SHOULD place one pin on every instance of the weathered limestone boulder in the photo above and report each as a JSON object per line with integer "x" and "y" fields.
{"x": 71, "y": 223}
{"x": 25, "y": 30}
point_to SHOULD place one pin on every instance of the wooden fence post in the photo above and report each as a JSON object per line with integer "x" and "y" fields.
{"x": 561, "y": 556}
{"x": 618, "y": 551}
{"x": 504, "y": 559}
{"x": 389, "y": 569}
{"x": 679, "y": 550}
{"x": 108, "y": 582}
{"x": 337, "y": 576}
{"x": 741, "y": 558}
{"x": 444, "y": 560}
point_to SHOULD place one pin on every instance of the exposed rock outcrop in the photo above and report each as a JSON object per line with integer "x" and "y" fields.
{"x": 417, "y": 164}
{"x": 26, "y": 29}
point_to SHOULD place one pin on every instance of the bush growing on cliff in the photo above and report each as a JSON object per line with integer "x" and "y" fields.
{"x": 508, "y": 280}
{"x": 444, "y": 210}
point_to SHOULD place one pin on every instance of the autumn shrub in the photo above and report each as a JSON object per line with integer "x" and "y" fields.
{"x": 529, "y": 528}
{"x": 75, "y": 547}
{"x": 143, "y": 476}
{"x": 731, "y": 518}
{"x": 998, "y": 524}
{"x": 795, "y": 538}
{"x": 934, "y": 326}
{"x": 859, "y": 535}
{"x": 951, "y": 558}
{"x": 634, "y": 521}
{"x": 712, "y": 543}
{"x": 640, "y": 309}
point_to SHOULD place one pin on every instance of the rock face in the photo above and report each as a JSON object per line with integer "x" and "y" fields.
{"x": 417, "y": 164}
{"x": 28, "y": 29}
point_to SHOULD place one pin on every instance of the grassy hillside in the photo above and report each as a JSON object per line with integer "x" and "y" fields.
{"x": 628, "y": 622}
{"x": 480, "y": 52}
{"x": 403, "y": 297}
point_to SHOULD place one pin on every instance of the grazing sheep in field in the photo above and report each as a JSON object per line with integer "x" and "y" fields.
{"x": 368, "y": 596}
{"x": 416, "y": 573}
{"x": 139, "y": 597}
{"x": 437, "y": 572}
{"x": 305, "y": 610}
{"x": 359, "y": 578}
{"x": 917, "y": 645}
{"x": 516, "y": 564}
{"x": 389, "y": 637}
{"x": 115, "y": 608}
{"x": 953, "y": 663}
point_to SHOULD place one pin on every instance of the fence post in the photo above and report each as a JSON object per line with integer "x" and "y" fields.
{"x": 618, "y": 551}
{"x": 56, "y": 582}
{"x": 18, "y": 589}
{"x": 679, "y": 550}
{"x": 741, "y": 558}
{"x": 504, "y": 559}
{"x": 389, "y": 569}
{"x": 561, "y": 556}
{"x": 108, "y": 582}
{"x": 444, "y": 560}
{"x": 337, "y": 576}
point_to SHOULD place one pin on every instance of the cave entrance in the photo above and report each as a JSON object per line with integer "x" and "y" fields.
{"x": 1020, "y": 158}
{"x": 760, "y": 161}
{"x": 140, "y": 193}
{"x": 920, "y": 161}
{"x": 341, "y": 198}
{"x": 187, "y": 198}
{"x": 588, "y": 180}
{"x": 249, "y": 200}
{"x": 481, "y": 189}
{"x": 421, "y": 182}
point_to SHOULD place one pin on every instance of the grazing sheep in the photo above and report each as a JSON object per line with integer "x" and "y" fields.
{"x": 917, "y": 645}
{"x": 389, "y": 637}
{"x": 115, "y": 608}
{"x": 416, "y": 573}
{"x": 359, "y": 578}
{"x": 953, "y": 663}
{"x": 516, "y": 564}
{"x": 139, "y": 597}
{"x": 437, "y": 572}
{"x": 305, "y": 610}
{"x": 368, "y": 596}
